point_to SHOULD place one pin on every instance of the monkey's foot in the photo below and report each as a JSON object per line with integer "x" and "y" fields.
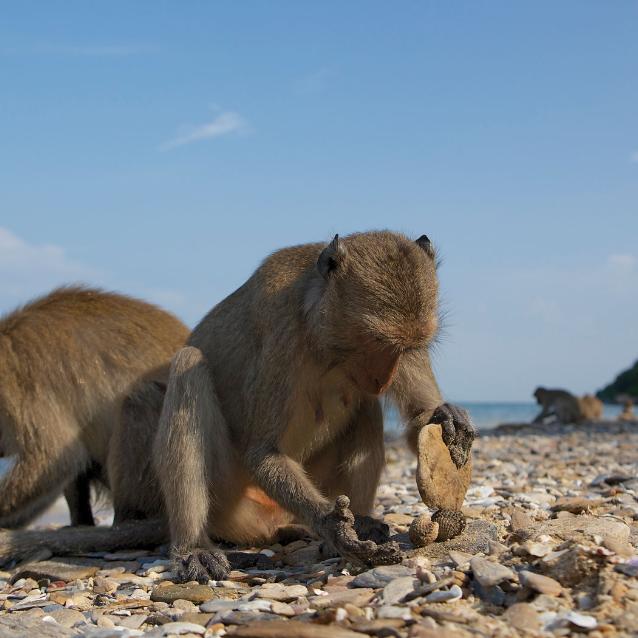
{"x": 371, "y": 529}
{"x": 201, "y": 565}
{"x": 338, "y": 528}
{"x": 458, "y": 431}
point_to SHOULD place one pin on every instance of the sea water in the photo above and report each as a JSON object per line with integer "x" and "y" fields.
{"x": 487, "y": 414}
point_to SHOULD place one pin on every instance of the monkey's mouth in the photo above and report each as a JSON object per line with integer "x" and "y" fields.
{"x": 374, "y": 372}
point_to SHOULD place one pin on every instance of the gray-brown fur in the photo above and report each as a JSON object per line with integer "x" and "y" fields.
{"x": 67, "y": 360}
{"x": 282, "y": 372}
{"x": 562, "y": 405}
{"x": 272, "y": 409}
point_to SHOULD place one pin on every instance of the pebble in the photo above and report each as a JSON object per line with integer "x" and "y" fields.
{"x": 397, "y": 589}
{"x": 445, "y": 596}
{"x": 541, "y": 584}
{"x": 277, "y": 591}
{"x": 171, "y": 593}
{"x": 523, "y": 616}
{"x": 581, "y": 620}
{"x": 489, "y": 573}
{"x": 541, "y": 516}
{"x": 381, "y": 576}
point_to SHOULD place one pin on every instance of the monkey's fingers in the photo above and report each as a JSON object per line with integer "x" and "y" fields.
{"x": 387, "y": 554}
{"x": 457, "y": 430}
{"x": 371, "y": 529}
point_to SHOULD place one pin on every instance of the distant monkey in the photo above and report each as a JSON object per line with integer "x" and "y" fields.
{"x": 559, "y": 404}
{"x": 591, "y": 407}
{"x": 272, "y": 410}
{"x": 627, "y": 413}
{"x": 67, "y": 360}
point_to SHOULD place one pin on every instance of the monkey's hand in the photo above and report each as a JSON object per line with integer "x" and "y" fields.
{"x": 201, "y": 564}
{"x": 457, "y": 430}
{"x": 371, "y": 529}
{"x": 338, "y": 529}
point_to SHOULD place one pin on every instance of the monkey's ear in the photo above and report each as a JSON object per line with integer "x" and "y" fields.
{"x": 330, "y": 257}
{"x": 425, "y": 243}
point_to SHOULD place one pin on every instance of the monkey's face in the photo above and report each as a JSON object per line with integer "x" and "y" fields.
{"x": 382, "y": 292}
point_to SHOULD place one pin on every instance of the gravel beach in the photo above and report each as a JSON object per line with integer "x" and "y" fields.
{"x": 552, "y": 522}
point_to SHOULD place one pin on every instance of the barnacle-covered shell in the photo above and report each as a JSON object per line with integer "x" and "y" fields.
{"x": 423, "y": 531}
{"x": 451, "y": 523}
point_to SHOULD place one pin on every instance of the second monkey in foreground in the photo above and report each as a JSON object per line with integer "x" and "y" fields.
{"x": 272, "y": 410}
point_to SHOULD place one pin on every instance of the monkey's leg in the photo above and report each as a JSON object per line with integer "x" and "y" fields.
{"x": 352, "y": 465}
{"x": 130, "y": 468}
{"x": 31, "y": 485}
{"x": 78, "y": 497}
{"x": 192, "y": 455}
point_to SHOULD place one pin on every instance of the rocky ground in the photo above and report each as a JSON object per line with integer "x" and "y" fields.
{"x": 548, "y": 550}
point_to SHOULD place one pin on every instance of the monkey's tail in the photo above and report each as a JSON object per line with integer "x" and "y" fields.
{"x": 20, "y": 545}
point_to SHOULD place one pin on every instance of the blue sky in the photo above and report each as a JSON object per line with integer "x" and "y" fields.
{"x": 163, "y": 149}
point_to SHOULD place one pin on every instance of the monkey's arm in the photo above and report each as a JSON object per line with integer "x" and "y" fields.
{"x": 547, "y": 410}
{"x": 418, "y": 397}
{"x": 284, "y": 480}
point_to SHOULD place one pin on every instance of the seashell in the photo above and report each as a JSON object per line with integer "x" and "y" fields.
{"x": 451, "y": 523}
{"x": 423, "y": 531}
{"x": 445, "y": 596}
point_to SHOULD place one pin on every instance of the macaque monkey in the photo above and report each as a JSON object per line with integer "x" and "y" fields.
{"x": 627, "y": 413}
{"x": 272, "y": 410}
{"x": 591, "y": 407}
{"x": 67, "y": 360}
{"x": 560, "y": 404}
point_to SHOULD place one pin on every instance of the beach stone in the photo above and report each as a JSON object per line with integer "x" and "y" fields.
{"x": 308, "y": 555}
{"x": 475, "y": 539}
{"x": 282, "y": 609}
{"x": 582, "y": 529}
{"x": 394, "y": 611}
{"x": 197, "y": 618}
{"x": 359, "y": 597}
{"x": 576, "y": 504}
{"x": 282, "y": 593}
{"x": 489, "y": 573}
{"x": 258, "y": 604}
{"x": 218, "y": 605}
{"x": 519, "y": 520}
{"x": 397, "y": 589}
{"x": 134, "y": 621}
{"x": 493, "y": 594}
{"x": 63, "y": 569}
{"x": 179, "y": 628}
{"x": 293, "y": 629}
{"x": 523, "y": 617}
{"x": 68, "y": 617}
{"x": 381, "y": 576}
{"x": 191, "y": 592}
{"x": 541, "y": 584}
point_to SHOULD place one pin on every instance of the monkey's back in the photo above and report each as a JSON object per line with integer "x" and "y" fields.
{"x": 73, "y": 355}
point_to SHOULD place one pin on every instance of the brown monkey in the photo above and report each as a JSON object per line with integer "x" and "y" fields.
{"x": 272, "y": 410}
{"x": 560, "y": 404}
{"x": 67, "y": 360}
{"x": 591, "y": 408}
{"x": 627, "y": 413}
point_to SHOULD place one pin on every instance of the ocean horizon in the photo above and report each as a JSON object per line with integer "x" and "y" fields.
{"x": 487, "y": 415}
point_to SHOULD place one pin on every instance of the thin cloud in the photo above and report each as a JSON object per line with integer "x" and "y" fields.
{"x": 27, "y": 269}
{"x": 623, "y": 262}
{"x": 225, "y": 123}
{"x": 634, "y": 157}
